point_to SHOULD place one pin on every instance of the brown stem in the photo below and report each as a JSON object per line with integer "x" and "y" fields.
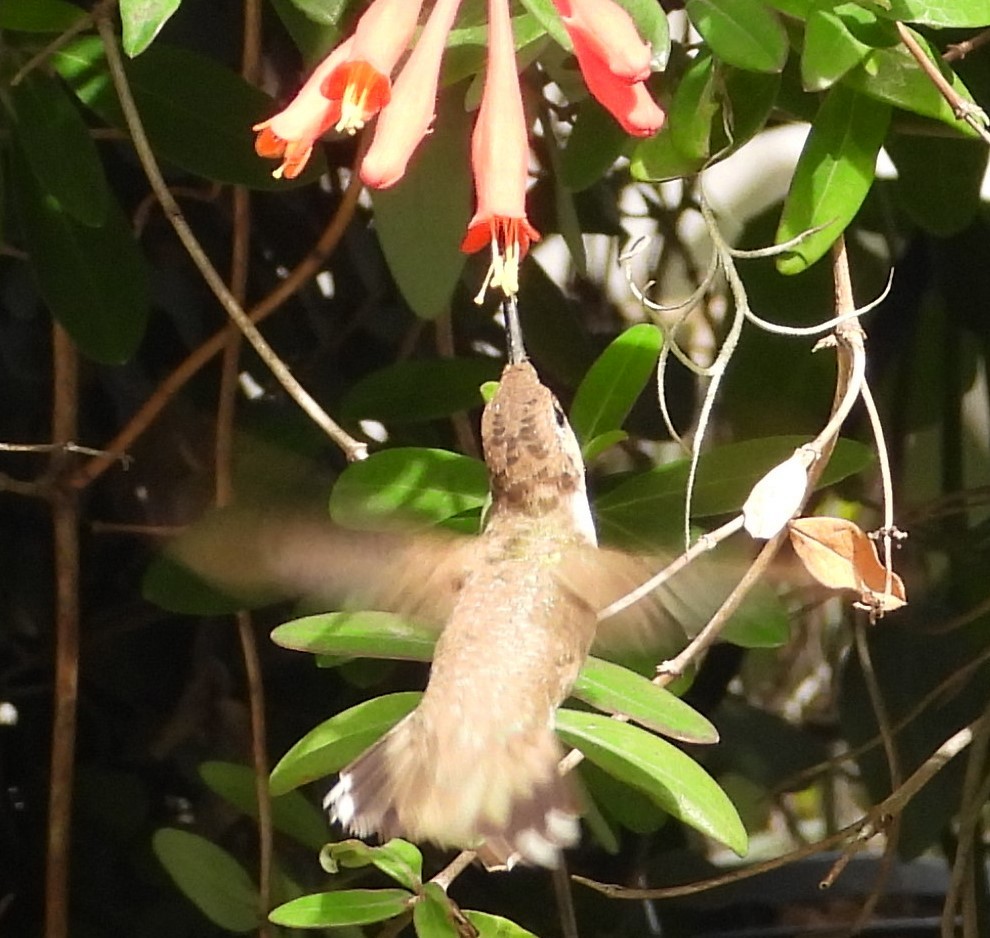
{"x": 65, "y": 516}
{"x": 301, "y": 274}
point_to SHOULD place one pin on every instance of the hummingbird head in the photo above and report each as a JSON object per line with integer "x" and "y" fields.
{"x": 533, "y": 458}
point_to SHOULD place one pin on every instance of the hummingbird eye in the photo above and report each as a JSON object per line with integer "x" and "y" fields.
{"x": 558, "y": 414}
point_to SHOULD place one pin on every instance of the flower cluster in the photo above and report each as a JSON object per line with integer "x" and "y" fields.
{"x": 353, "y": 84}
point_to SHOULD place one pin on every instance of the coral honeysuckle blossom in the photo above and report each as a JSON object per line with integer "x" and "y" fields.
{"x": 406, "y": 119}
{"x": 291, "y": 133}
{"x": 353, "y": 84}
{"x": 614, "y": 62}
{"x": 500, "y": 160}
{"x": 362, "y": 84}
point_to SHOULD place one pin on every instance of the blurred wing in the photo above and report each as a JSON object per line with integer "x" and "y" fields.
{"x": 660, "y": 624}
{"x": 255, "y": 555}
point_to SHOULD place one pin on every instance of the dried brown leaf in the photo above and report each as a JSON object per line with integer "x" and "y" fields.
{"x": 840, "y": 555}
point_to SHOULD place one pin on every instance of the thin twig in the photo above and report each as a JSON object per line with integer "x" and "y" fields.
{"x": 353, "y": 449}
{"x": 454, "y": 869}
{"x": 964, "y": 110}
{"x": 65, "y": 514}
{"x": 959, "y": 50}
{"x": 167, "y": 389}
{"x": 864, "y": 827}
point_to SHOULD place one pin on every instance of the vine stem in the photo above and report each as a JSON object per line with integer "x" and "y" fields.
{"x": 353, "y": 449}
{"x": 65, "y": 518}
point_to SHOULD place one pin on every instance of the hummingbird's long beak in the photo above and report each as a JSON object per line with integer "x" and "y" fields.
{"x": 513, "y": 331}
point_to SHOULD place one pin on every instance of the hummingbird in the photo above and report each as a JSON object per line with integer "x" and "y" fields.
{"x": 475, "y": 764}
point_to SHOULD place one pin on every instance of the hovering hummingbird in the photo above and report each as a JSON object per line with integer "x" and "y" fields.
{"x": 475, "y": 764}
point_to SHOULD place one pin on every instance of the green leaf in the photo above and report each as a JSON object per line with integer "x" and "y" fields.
{"x": 422, "y": 219}
{"x": 604, "y": 441}
{"x": 206, "y": 134}
{"x": 741, "y": 32}
{"x": 615, "y": 381}
{"x": 941, "y": 203}
{"x": 325, "y": 12}
{"x": 939, "y": 12}
{"x": 620, "y": 803}
{"x": 833, "y": 174}
{"x": 800, "y": 9}
{"x": 173, "y": 586}
{"x": 142, "y": 20}
{"x": 670, "y": 777}
{"x": 347, "y": 907}
{"x": 313, "y": 39}
{"x": 614, "y": 689}
{"x": 48, "y": 126}
{"x": 748, "y": 101}
{"x": 892, "y": 75}
{"x": 692, "y": 110}
{"x": 432, "y": 914}
{"x": 292, "y": 814}
{"x": 358, "y": 634}
{"x": 595, "y": 143}
{"x": 830, "y": 46}
{"x": 334, "y": 743}
{"x": 93, "y": 280}
{"x": 494, "y": 926}
{"x": 658, "y": 158}
{"x": 209, "y": 877}
{"x": 655, "y": 499}
{"x": 426, "y": 485}
{"x": 39, "y": 16}
{"x": 413, "y": 391}
{"x": 397, "y": 859}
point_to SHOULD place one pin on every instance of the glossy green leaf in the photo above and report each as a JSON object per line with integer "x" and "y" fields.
{"x": 426, "y": 485}
{"x": 93, "y": 279}
{"x": 749, "y": 99}
{"x": 142, "y": 20}
{"x": 692, "y": 110}
{"x": 432, "y": 916}
{"x": 658, "y": 158}
{"x": 939, "y": 12}
{"x": 620, "y": 803}
{"x": 39, "y": 16}
{"x": 330, "y": 746}
{"x": 830, "y": 46}
{"x": 494, "y": 926}
{"x": 313, "y": 39}
{"x": 940, "y": 203}
{"x": 892, "y": 75}
{"x": 358, "y": 634}
{"x": 421, "y": 220}
{"x": 833, "y": 174}
{"x": 743, "y": 33}
{"x": 604, "y": 441}
{"x": 725, "y": 477}
{"x": 325, "y": 12}
{"x": 800, "y": 9}
{"x": 546, "y": 15}
{"x": 414, "y": 391}
{"x": 615, "y": 381}
{"x": 398, "y": 859}
{"x": 205, "y": 134}
{"x": 209, "y": 877}
{"x": 292, "y": 814}
{"x": 347, "y": 907}
{"x": 595, "y": 143}
{"x": 670, "y": 777}
{"x": 614, "y": 689}
{"x": 47, "y": 126}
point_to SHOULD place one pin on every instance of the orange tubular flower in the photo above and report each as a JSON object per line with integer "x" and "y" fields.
{"x": 630, "y": 104}
{"x": 362, "y": 83}
{"x": 408, "y": 116}
{"x": 609, "y": 32}
{"x": 500, "y": 160}
{"x": 291, "y": 133}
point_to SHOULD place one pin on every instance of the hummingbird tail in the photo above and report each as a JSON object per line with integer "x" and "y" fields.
{"x": 505, "y": 799}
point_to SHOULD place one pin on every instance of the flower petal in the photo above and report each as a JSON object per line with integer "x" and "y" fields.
{"x": 611, "y": 33}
